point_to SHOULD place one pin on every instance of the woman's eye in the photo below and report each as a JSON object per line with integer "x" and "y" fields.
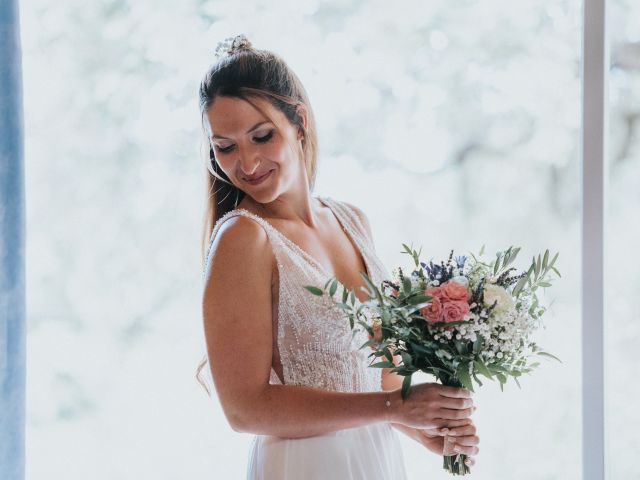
{"x": 264, "y": 138}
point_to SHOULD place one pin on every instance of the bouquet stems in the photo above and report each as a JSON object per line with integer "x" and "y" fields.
{"x": 453, "y": 462}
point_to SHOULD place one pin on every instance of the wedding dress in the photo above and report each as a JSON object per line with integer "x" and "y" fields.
{"x": 314, "y": 346}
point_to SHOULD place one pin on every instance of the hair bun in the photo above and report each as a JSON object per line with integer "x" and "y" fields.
{"x": 231, "y": 45}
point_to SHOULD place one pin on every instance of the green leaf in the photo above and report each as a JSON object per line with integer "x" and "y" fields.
{"x": 464, "y": 377}
{"x": 557, "y": 272}
{"x": 512, "y": 256}
{"x": 406, "y": 384}
{"x": 343, "y": 306}
{"x": 406, "y": 358}
{"x": 477, "y": 344}
{"x": 417, "y": 299}
{"x": 482, "y": 368}
{"x": 372, "y": 287}
{"x": 406, "y": 285}
{"x": 544, "y": 284}
{"x": 387, "y": 354}
{"x": 475, "y": 377}
{"x": 383, "y": 365}
{"x": 368, "y": 343}
{"x": 314, "y": 290}
{"x": 546, "y": 354}
{"x": 545, "y": 259}
{"x": 345, "y": 294}
{"x": 461, "y": 346}
{"x": 352, "y": 297}
{"x": 333, "y": 288}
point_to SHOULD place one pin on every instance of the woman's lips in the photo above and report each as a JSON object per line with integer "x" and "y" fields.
{"x": 259, "y": 179}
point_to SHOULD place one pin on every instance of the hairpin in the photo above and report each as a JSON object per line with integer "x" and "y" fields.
{"x": 231, "y": 45}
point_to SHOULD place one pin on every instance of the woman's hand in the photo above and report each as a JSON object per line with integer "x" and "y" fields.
{"x": 465, "y": 438}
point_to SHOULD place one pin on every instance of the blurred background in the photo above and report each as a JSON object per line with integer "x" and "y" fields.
{"x": 451, "y": 124}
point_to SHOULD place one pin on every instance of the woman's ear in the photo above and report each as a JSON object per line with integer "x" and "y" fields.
{"x": 301, "y": 110}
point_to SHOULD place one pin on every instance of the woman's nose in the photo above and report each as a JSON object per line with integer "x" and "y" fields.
{"x": 249, "y": 164}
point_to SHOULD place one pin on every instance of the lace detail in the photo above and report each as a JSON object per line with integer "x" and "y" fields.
{"x": 315, "y": 344}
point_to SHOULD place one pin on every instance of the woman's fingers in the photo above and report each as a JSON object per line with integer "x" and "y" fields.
{"x": 466, "y": 449}
{"x": 441, "y": 423}
{"x": 451, "y": 414}
{"x": 455, "y": 403}
{"x": 463, "y": 431}
{"x": 454, "y": 392}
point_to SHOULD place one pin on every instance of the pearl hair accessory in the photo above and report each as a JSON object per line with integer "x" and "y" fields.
{"x": 231, "y": 45}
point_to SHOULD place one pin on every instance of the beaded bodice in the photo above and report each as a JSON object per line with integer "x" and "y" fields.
{"x": 312, "y": 339}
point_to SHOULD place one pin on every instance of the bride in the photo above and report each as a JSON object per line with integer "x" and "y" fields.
{"x": 284, "y": 363}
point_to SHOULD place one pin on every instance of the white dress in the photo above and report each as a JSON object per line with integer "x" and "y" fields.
{"x": 315, "y": 347}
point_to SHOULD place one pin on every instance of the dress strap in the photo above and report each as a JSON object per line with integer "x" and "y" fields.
{"x": 350, "y": 220}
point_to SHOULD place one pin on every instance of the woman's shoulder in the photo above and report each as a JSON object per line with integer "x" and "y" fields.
{"x": 238, "y": 240}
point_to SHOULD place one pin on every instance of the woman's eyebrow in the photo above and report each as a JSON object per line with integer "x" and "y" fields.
{"x": 218, "y": 137}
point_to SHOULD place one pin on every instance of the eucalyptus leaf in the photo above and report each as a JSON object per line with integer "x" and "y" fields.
{"x": 387, "y": 354}
{"x": 333, "y": 288}
{"x": 546, "y": 354}
{"x": 406, "y": 385}
{"x": 482, "y": 368}
{"x": 383, "y": 365}
{"x": 464, "y": 377}
{"x": 314, "y": 290}
{"x": 345, "y": 294}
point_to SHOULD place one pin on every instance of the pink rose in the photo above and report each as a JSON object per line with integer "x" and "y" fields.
{"x": 433, "y": 312}
{"x": 454, "y": 291}
{"x": 435, "y": 292}
{"x": 455, "y": 310}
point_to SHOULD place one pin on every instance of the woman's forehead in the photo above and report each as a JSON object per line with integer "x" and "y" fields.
{"x": 229, "y": 116}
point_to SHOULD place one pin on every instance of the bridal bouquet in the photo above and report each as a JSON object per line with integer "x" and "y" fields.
{"x": 456, "y": 320}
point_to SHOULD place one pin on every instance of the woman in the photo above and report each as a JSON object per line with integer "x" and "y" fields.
{"x": 285, "y": 365}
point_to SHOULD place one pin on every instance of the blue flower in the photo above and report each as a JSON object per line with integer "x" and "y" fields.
{"x": 460, "y": 261}
{"x": 434, "y": 271}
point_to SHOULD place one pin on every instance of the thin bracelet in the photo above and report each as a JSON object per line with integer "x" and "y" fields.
{"x": 388, "y": 404}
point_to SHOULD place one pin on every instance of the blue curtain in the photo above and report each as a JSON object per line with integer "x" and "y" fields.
{"x": 12, "y": 264}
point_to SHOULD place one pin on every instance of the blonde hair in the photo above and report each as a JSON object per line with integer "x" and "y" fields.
{"x": 248, "y": 74}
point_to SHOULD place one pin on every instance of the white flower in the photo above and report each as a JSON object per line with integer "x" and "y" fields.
{"x": 495, "y": 292}
{"x": 462, "y": 280}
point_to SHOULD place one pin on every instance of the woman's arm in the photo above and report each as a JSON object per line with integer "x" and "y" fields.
{"x": 238, "y": 331}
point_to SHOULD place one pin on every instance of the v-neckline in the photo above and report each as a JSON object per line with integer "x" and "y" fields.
{"x": 310, "y": 259}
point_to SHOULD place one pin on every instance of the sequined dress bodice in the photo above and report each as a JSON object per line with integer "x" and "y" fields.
{"x": 313, "y": 340}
